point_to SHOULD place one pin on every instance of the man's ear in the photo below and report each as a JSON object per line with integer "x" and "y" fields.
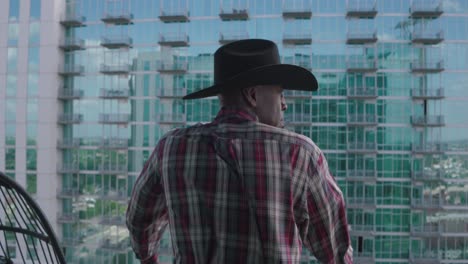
{"x": 250, "y": 95}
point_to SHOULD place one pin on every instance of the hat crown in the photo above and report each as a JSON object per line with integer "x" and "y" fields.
{"x": 240, "y": 56}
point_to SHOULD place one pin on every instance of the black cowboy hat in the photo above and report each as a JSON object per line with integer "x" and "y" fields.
{"x": 253, "y": 62}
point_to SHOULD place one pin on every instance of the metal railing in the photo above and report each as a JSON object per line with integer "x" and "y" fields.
{"x": 70, "y": 118}
{"x": 172, "y": 93}
{"x": 428, "y": 120}
{"x": 361, "y": 65}
{"x": 171, "y": 118}
{"x": 71, "y": 69}
{"x": 114, "y": 143}
{"x": 114, "y": 93}
{"x": 172, "y": 67}
{"x": 427, "y": 93}
{"x": 428, "y": 174}
{"x": 429, "y": 66}
{"x": 168, "y": 38}
{"x": 114, "y": 118}
{"x": 70, "y": 93}
{"x": 72, "y": 43}
{"x": 116, "y": 41}
{"x": 362, "y": 119}
{"x": 123, "y": 68}
{"x": 362, "y": 92}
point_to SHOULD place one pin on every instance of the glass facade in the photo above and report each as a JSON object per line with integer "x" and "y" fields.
{"x": 389, "y": 113}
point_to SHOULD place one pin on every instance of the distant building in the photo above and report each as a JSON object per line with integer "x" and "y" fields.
{"x": 88, "y": 87}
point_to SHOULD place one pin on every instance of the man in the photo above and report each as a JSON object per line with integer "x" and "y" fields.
{"x": 241, "y": 189}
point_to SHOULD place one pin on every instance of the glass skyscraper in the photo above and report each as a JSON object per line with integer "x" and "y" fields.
{"x": 89, "y": 86}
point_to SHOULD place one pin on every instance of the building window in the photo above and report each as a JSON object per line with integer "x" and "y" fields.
{"x": 31, "y": 159}
{"x": 14, "y": 10}
{"x": 11, "y": 85}
{"x": 35, "y": 9}
{"x": 13, "y": 32}
{"x": 10, "y": 137}
{"x": 31, "y": 183}
{"x": 10, "y": 158}
{"x": 12, "y": 58}
{"x": 34, "y": 33}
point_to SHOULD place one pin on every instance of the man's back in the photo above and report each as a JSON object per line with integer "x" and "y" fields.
{"x": 238, "y": 191}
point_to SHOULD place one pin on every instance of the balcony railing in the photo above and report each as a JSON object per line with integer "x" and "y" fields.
{"x": 427, "y": 66}
{"x": 362, "y": 147}
{"x": 421, "y": 93}
{"x": 427, "y": 175}
{"x": 73, "y": 19}
{"x": 115, "y": 69}
{"x": 362, "y": 120}
{"x": 361, "y": 8}
{"x": 70, "y": 94}
{"x": 225, "y": 38}
{"x": 361, "y": 175}
{"x": 69, "y": 168}
{"x": 361, "y": 37}
{"x": 363, "y": 257}
{"x": 71, "y": 242}
{"x": 68, "y": 192}
{"x": 297, "y": 39}
{"x": 123, "y": 17}
{"x": 114, "y": 118}
{"x": 427, "y": 37}
{"x": 114, "y": 93}
{"x": 70, "y": 119}
{"x": 174, "y": 68}
{"x": 69, "y": 143}
{"x": 428, "y": 257}
{"x": 63, "y": 218}
{"x": 433, "y": 121}
{"x": 362, "y": 230}
{"x": 112, "y": 168}
{"x": 114, "y": 143}
{"x": 234, "y": 14}
{"x": 426, "y": 204}
{"x": 113, "y": 220}
{"x": 171, "y": 118}
{"x": 429, "y": 148}
{"x": 426, "y": 9}
{"x": 115, "y": 246}
{"x": 293, "y": 119}
{"x": 297, "y": 94}
{"x": 174, "y": 40}
{"x": 360, "y": 202}
{"x": 174, "y": 16}
{"x": 362, "y": 93}
{"x": 355, "y": 65}
{"x": 172, "y": 93}
{"x": 71, "y": 70}
{"x": 116, "y": 42}
{"x": 114, "y": 195}
{"x": 296, "y": 12}
{"x": 71, "y": 44}
{"x": 426, "y": 230}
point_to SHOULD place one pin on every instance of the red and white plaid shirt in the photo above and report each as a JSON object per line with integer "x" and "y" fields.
{"x": 238, "y": 191}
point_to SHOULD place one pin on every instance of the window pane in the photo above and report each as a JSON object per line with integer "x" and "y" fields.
{"x": 35, "y": 11}
{"x": 32, "y": 85}
{"x": 11, "y": 85}
{"x": 10, "y": 110}
{"x": 10, "y": 137}
{"x": 10, "y": 159}
{"x": 31, "y": 183}
{"x": 33, "y": 59}
{"x": 14, "y": 9}
{"x": 32, "y": 110}
{"x": 31, "y": 134}
{"x": 13, "y": 31}
{"x": 12, "y": 59}
{"x": 31, "y": 159}
{"x": 34, "y": 29}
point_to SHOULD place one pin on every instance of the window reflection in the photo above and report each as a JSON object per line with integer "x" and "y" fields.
{"x": 14, "y": 10}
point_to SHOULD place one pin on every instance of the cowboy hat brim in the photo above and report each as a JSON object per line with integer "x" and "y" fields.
{"x": 290, "y": 77}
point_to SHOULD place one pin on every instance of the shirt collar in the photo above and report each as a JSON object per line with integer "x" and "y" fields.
{"x": 234, "y": 115}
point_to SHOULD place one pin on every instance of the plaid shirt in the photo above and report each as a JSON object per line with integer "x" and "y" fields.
{"x": 238, "y": 191}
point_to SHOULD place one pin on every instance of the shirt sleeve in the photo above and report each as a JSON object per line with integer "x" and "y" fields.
{"x": 147, "y": 215}
{"x": 326, "y": 227}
